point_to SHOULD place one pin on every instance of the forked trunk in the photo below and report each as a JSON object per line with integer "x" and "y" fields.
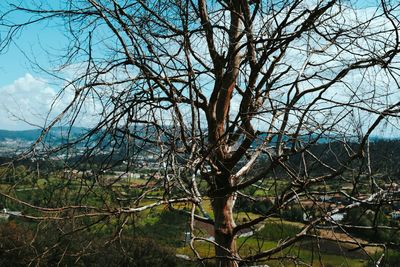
{"x": 225, "y": 251}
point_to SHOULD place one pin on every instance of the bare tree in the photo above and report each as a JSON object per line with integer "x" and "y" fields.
{"x": 229, "y": 95}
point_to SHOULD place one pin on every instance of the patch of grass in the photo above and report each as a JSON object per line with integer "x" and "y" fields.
{"x": 167, "y": 227}
{"x": 243, "y": 216}
{"x": 204, "y": 248}
{"x": 251, "y": 246}
{"x": 276, "y": 231}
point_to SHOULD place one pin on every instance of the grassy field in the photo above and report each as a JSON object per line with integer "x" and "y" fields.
{"x": 252, "y": 245}
{"x": 274, "y": 232}
{"x": 169, "y": 228}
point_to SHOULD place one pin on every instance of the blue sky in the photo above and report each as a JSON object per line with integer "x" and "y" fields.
{"x": 32, "y": 41}
{"x": 38, "y": 37}
{"x": 25, "y": 91}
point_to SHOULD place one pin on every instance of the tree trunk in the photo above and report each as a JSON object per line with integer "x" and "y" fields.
{"x": 223, "y": 231}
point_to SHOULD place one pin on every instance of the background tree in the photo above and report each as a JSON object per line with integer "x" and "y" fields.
{"x": 228, "y": 94}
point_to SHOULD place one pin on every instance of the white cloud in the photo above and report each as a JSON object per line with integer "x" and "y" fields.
{"x": 25, "y": 101}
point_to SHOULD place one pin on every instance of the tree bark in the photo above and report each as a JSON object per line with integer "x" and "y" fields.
{"x": 226, "y": 250}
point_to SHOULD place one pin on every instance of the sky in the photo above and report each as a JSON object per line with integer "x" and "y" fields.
{"x": 26, "y": 93}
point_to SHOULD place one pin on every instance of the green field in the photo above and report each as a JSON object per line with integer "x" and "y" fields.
{"x": 169, "y": 227}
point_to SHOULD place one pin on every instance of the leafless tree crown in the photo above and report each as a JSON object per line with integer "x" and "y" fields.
{"x": 228, "y": 95}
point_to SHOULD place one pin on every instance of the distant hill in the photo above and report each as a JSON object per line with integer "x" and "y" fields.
{"x": 56, "y": 134}
{"x": 27, "y": 135}
{"x": 60, "y": 134}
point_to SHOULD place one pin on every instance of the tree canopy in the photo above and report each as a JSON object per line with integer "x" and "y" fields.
{"x": 226, "y": 95}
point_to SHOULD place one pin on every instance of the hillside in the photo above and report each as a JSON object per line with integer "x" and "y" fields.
{"x": 56, "y": 134}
